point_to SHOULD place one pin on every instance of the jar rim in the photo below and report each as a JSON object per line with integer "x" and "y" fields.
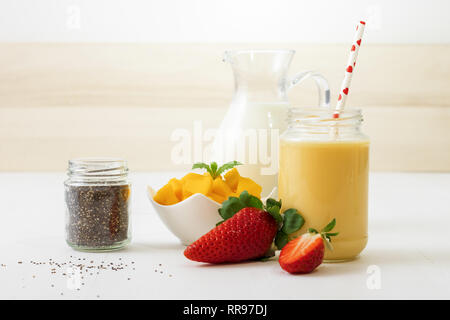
{"x": 97, "y": 160}
{"x": 324, "y": 117}
{"x": 325, "y": 111}
{"x": 97, "y": 167}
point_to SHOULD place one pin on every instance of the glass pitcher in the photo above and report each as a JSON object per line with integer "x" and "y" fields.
{"x": 257, "y": 114}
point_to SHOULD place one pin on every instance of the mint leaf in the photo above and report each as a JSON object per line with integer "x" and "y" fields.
{"x": 281, "y": 239}
{"x": 230, "y": 207}
{"x": 250, "y": 201}
{"x": 329, "y": 226}
{"x": 227, "y": 166}
{"x": 201, "y": 165}
{"x": 275, "y": 213}
{"x": 213, "y": 167}
{"x": 293, "y": 221}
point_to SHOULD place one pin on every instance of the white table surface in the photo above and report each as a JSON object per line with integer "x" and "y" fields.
{"x": 409, "y": 245}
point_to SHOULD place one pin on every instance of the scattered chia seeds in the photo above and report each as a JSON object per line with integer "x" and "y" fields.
{"x": 62, "y": 271}
{"x": 98, "y": 216}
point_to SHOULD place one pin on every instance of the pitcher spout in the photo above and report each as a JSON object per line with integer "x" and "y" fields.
{"x": 261, "y": 73}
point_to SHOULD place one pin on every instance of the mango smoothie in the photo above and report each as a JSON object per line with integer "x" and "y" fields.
{"x": 325, "y": 180}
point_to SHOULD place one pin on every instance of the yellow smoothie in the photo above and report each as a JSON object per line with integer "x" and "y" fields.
{"x": 325, "y": 180}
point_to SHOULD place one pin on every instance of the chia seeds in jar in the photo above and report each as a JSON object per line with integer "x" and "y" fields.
{"x": 97, "y": 195}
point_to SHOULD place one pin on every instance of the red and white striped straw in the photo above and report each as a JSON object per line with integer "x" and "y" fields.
{"x": 350, "y": 68}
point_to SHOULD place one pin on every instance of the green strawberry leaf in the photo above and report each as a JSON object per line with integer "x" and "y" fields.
{"x": 275, "y": 213}
{"x": 293, "y": 221}
{"x": 281, "y": 239}
{"x": 329, "y": 226}
{"x": 227, "y": 166}
{"x": 333, "y": 234}
{"x": 233, "y": 204}
{"x": 230, "y": 207}
{"x": 326, "y": 236}
{"x": 250, "y": 201}
{"x": 273, "y": 203}
{"x": 268, "y": 255}
{"x": 265, "y": 259}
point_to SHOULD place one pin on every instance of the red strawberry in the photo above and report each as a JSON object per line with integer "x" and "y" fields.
{"x": 303, "y": 254}
{"x": 246, "y": 235}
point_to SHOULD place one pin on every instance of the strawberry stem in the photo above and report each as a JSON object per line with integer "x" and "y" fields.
{"x": 325, "y": 234}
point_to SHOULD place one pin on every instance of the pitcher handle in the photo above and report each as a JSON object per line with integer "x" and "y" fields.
{"x": 321, "y": 82}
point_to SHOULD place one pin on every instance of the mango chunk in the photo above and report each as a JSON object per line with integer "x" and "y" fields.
{"x": 232, "y": 179}
{"x": 166, "y": 196}
{"x": 246, "y": 184}
{"x": 186, "y": 194}
{"x": 221, "y": 188}
{"x": 177, "y": 188}
{"x": 196, "y": 183}
{"x": 218, "y": 189}
{"x": 217, "y": 197}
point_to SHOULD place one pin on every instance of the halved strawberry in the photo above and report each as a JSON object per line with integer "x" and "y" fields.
{"x": 303, "y": 254}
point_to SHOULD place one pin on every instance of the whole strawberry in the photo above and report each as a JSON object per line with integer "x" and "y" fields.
{"x": 245, "y": 236}
{"x": 247, "y": 231}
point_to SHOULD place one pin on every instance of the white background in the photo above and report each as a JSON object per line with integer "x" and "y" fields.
{"x": 408, "y": 244}
{"x": 323, "y": 21}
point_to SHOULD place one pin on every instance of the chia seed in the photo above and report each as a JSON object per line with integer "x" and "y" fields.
{"x": 97, "y": 215}
{"x": 97, "y": 196}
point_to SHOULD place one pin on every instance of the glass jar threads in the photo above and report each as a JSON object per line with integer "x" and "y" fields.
{"x": 97, "y": 196}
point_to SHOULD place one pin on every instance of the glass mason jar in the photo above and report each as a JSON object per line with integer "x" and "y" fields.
{"x": 97, "y": 195}
{"x": 250, "y": 129}
{"x": 323, "y": 173}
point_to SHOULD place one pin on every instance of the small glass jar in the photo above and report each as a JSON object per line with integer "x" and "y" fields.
{"x": 323, "y": 173}
{"x": 97, "y": 195}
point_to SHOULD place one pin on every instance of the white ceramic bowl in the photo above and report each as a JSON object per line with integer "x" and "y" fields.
{"x": 189, "y": 219}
